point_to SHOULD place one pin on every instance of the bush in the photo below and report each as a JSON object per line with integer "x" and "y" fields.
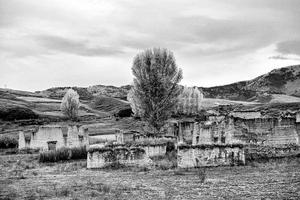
{"x": 63, "y": 154}
{"x": 8, "y": 142}
{"x": 78, "y": 153}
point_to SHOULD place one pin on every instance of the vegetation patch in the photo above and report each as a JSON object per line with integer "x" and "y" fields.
{"x": 7, "y": 142}
{"x": 63, "y": 154}
{"x": 17, "y": 113}
{"x": 209, "y": 146}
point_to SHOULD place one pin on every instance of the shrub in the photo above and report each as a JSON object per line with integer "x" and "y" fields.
{"x": 8, "y": 142}
{"x": 78, "y": 153}
{"x": 63, "y": 154}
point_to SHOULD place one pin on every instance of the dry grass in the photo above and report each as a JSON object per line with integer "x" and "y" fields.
{"x": 70, "y": 180}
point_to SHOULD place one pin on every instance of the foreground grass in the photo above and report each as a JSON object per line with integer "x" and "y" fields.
{"x": 70, "y": 180}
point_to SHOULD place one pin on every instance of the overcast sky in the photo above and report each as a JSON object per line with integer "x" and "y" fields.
{"x": 47, "y": 43}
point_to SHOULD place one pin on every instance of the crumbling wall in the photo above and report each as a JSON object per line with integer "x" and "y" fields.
{"x": 45, "y": 134}
{"x": 262, "y": 152}
{"x": 216, "y": 132}
{"x": 155, "y": 150}
{"x": 298, "y": 117}
{"x": 186, "y": 130}
{"x": 270, "y": 131}
{"x": 210, "y": 155}
{"x": 103, "y": 157}
{"x": 22, "y": 143}
{"x": 58, "y": 136}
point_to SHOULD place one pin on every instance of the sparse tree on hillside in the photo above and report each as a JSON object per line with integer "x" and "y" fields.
{"x": 189, "y": 101}
{"x": 70, "y": 104}
{"x": 156, "y": 88}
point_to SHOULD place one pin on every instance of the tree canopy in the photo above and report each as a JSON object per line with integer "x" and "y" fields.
{"x": 155, "y": 88}
{"x": 70, "y": 104}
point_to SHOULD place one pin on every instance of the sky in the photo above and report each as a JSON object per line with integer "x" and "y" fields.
{"x": 49, "y": 43}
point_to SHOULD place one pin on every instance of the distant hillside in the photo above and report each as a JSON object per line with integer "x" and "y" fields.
{"x": 285, "y": 81}
{"x": 278, "y": 86}
{"x": 59, "y": 92}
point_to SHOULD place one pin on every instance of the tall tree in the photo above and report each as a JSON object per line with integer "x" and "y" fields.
{"x": 134, "y": 103}
{"x": 156, "y": 88}
{"x": 70, "y": 104}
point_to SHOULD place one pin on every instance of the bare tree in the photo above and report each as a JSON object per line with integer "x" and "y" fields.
{"x": 70, "y": 104}
{"x": 189, "y": 101}
{"x": 156, "y": 88}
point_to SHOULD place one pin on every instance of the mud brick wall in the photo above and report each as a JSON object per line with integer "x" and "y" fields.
{"x": 63, "y": 136}
{"x": 215, "y": 133}
{"x": 257, "y": 152}
{"x": 103, "y": 157}
{"x": 269, "y": 131}
{"x": 210, "y": 155}
{"x": 155, "y": 150}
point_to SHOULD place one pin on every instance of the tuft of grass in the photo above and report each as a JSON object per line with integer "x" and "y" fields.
{"x": 165, "y": 162}
{"x": 201, "y": 173}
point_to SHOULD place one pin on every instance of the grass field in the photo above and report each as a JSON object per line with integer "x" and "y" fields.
{"x": 22, "y": 177}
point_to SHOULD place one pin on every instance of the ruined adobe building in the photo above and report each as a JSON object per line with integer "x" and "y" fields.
{"x": 51, "y": 137}
{"x": 253, "y": 127}
{"x": 220, "y": 140}
{"x": 241, "y": 127}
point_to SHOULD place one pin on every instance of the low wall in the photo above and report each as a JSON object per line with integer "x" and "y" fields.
{"x": 259, "y": 152}
{"x": 151, "y": 147}
{"x": 190, "y": 156}
{"x": 102, "y": 157}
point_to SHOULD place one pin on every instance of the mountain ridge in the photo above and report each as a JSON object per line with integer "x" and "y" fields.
{"x": 284, "y": 81}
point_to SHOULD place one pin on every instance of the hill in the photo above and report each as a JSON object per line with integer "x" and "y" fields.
{"x": 283, "y": 81}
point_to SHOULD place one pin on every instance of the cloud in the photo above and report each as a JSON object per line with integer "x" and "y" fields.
{"x": 289, "y": 47}
{"x": 281, "y": 57}
{"x": 208, "y": 37}
{"x": 78, "y": 47}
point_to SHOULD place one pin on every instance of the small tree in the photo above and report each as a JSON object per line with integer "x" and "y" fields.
{"x": 155, "y": 88}
{"x": 70, "y": 104}
{"x": 189, "y": 101}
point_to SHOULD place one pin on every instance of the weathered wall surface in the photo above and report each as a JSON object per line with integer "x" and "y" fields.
{"x": 298, "y": 117}
{"x": 270, "y": 131}
{"x": 256, "y": 152}
{"x": 217, "y": 132}
{"x": 100, "y": 158}
{"x": 213, "y": 155}
{"x": 186, "y": 131}
{"x": 60, "y": 136}
{"x": 155, "y": 150}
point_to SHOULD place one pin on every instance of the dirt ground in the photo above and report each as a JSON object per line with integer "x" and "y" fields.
{"x": 22, "y": 177}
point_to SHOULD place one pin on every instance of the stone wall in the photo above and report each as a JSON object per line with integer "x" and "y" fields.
{"x": 103, "y": 157}
{"x": 54, "y": 136}
{"x": 210, "y": 155}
